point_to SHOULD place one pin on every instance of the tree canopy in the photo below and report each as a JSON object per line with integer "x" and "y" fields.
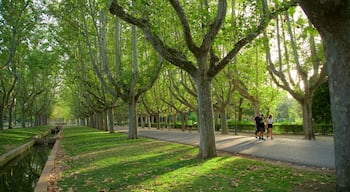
{"x": 96, "y": 61}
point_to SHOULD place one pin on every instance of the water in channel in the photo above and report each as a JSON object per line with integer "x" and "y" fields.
{"x": 22, "y": 174}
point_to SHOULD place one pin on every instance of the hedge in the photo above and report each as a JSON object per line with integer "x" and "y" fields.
{"x": 296, "y": 129}
{"x": 278, "y": 128}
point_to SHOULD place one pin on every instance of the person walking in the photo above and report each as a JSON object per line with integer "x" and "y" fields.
{"x": 262, "y": 127}
{"x": 269, "y": 122}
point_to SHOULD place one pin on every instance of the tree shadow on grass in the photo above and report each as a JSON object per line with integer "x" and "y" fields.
{"x": 124, "y": 173}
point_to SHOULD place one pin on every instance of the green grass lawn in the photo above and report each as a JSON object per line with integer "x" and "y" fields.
{"x": 12, "y": 138}
{"x": 100, "y": 161}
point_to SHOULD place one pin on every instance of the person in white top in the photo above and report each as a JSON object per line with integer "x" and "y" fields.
{"x": 269, "y": 122}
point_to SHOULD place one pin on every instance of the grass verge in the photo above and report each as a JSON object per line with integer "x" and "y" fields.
{"x": 12, "y": 138}
{"x": 100, "y": 161}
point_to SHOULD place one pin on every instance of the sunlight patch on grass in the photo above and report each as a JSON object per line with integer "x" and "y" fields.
{"x": 111, "y": 162}
{"x": 18, "y": 136}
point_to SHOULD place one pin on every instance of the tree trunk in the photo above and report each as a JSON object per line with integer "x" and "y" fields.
{"x": 110, "y": 120}
{"x": 337, "y": 52}
{"x": 223, "y": 119}
{"x": 183, "y": 126}
{"x": 158, "y": 120}
{"x": 153, "y": 119}
{"x": 96, "y": 122}
{"x": 132, "y": 133}
{"x": 82, "y": 122}
{"x": 331, "y": 19}
{"x": 149, "y": 121}
{"x": 185, "y": 121}
{"x": 93, "y": 120}
{"x": 307, "y": 119}
{"x": 174, "y": 120}
{"x": 31, "y": 121}
{"x": 162, "y": 122}
{"x": 1, "y": 118}
{"x": 11, "y": 111}
{"x": 105, "y": 119}
{"x": 207, "y": 146}
{"x": 240, "y": 109}
{"x": 167, "y": 122}
{"x": 23, "y": 115}
{"x": 99, "y": 121}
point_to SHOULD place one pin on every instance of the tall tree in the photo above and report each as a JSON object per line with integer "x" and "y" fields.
{"x": 129, "y": 82}
{"x": 308, "y": 64}
{"x": 251, "y": 80}
{"x": 200, "y": 59}
{"x": 31, "y": 82}
{"x": 223, "y": 91}
{"x": 332, "y": 19}
{"x": 12, "y": 28}
{"x": 7, "y": 87}
{"x": 183, "y": 90}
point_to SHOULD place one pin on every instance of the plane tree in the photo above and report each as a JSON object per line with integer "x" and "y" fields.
{"x": 223, "y": 91}
{"x": 299, "y": 67}
{"x": 37, "y": 79}
{"x": 16, "y": 20}
{"x": 183, "y": 90}
{"x": 135, "y": 75}
{"x": 251, "y": 79}
{"x": 8, "y": 82}
{"x": 167, "y": 93}
{"x": 156, "y": 110}
{"x": 91, "y": 99}
{"x": 198, "y": 56}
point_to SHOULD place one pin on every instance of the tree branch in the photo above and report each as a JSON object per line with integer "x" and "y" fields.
{"x": 215, "y": 27}
{"x": 173, "y": 56}
{"x": 185, "y": 26}
{"x": 249, "y": 37}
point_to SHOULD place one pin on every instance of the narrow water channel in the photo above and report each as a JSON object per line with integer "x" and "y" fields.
{"x": 22, "y": 173}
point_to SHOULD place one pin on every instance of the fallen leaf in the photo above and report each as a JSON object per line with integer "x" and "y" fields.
{"x": 88, "y": 181}
{"x": 234, "y": 183}
{"x": 140, "y": 174}
{"x": 107, "y": 180}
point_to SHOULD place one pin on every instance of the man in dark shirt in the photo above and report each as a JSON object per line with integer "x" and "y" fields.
{"x": 260, "y": 126}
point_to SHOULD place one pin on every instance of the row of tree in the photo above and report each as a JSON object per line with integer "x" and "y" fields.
{"x": 226, "y": 54}
{"x": 103, "y": 44}
{"x": 107, "y": 63}
{"x": 205, "y": 56}
{"x": 28, "y": 64}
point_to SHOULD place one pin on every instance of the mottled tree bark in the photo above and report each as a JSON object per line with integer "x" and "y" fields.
{"x": 332, "y": 19}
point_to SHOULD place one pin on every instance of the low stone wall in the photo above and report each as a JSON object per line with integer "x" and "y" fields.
{"x": 7, "y": 157}
{"x": 43, "y": 182}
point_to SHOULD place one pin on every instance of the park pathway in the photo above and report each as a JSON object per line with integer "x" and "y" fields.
{"x": 287, "y": 148}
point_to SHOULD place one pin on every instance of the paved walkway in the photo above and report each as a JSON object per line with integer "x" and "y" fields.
{"x": 292, "y": 149}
